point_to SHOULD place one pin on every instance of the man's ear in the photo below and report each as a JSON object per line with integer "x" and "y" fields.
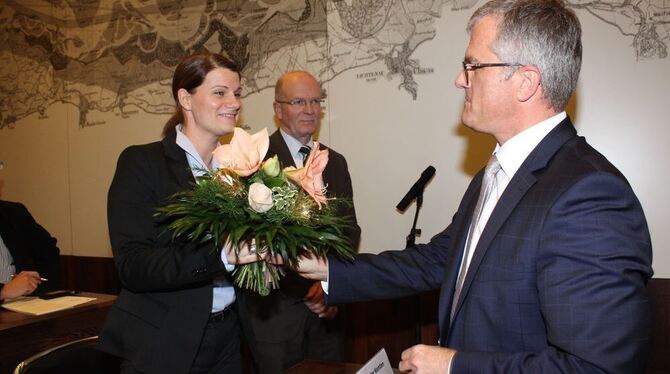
{"x": 531, "y": 81}
{"x": 277, "y": 107}
{"x": 184, "y": 98}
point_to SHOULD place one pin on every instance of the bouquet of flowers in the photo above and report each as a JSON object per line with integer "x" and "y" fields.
{"x": 283, "y": 211}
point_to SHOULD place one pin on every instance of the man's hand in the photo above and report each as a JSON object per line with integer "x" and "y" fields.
{"x": 247, "y": 253}
{"x": 426, "y": 359}
{"x": 316, "y": 302}
{"x": 309, "y": 266}
{"x": 22, "y": 284}
{"x": 313, "y": 267}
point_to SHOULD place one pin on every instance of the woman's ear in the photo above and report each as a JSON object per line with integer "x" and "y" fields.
{"x": 184, "y": 98}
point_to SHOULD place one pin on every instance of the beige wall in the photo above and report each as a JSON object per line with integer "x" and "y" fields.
{"x": 62, "y": 172}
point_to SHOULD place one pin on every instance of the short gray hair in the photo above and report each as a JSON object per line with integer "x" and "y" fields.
{"x": 543, "y": 33}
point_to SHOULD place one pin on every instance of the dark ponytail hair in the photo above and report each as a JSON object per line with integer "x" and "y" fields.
{"x": 189, "y": 75}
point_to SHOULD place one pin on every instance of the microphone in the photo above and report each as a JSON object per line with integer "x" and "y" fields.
{"x": 417, "y": 188}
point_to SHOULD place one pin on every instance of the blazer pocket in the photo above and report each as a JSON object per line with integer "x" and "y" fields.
{"x": 143, "y": 307}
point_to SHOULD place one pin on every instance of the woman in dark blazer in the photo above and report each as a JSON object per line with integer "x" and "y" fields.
{"x": 178, "y": 311}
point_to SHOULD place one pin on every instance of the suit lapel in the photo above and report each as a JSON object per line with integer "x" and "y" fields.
{"x": 278, "y": 147}
{"x": 176, "y": 159}
{"x": 522, "y": 181}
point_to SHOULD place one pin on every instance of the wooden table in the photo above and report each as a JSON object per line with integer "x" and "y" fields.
{"x": 23, "y": 335}
{"x": 313, "y": 366}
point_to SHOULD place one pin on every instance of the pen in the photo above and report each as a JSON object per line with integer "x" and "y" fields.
{"x": 42, "y": 279}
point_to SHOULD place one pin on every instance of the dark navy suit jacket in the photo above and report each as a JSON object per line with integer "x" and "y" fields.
{"x": 556, "y": 282}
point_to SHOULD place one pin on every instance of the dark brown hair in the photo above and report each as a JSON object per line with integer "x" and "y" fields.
{"x": 189, "y": 75}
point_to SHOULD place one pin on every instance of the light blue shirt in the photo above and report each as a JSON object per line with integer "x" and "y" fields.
{"x": 294, "y": 146}
{"x": 224, "y": 293}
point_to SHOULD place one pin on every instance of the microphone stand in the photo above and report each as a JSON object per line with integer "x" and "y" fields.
{"x": 410, "y": 243}
{"x": 411, "y": 237}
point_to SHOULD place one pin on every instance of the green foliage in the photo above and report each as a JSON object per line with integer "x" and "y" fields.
{"x": 217, "y": 209}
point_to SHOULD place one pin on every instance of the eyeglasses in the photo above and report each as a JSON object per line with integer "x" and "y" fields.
{"x": 301, "y": 102}
{"x": 469, "y": 66}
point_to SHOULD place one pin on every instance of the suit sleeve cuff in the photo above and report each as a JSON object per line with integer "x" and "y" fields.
{"x": 451, "y": 362}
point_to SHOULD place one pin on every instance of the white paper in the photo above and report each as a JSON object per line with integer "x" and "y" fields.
{"x": 378, "y": 364}
{"x": 37, "y": 306}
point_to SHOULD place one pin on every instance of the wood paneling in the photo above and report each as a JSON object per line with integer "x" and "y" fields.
{"x": 91, "y": 274}
{"x": 392, "y": 324}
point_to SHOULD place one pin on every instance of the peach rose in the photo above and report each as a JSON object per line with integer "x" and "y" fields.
{"x": 310, "y": 177}
{"x": 245, "y": 152}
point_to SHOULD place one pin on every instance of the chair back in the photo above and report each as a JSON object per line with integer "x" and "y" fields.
{"x": 79, "y": 356}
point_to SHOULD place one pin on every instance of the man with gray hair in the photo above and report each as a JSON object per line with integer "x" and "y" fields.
{"x": 544, "y": 265}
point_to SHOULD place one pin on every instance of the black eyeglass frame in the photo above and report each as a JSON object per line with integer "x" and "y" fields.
{"x": 301, "y": 102}
{"x": 470, "y": 66}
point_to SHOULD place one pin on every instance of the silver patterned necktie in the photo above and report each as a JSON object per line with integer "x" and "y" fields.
{"x": 488, "y": 186}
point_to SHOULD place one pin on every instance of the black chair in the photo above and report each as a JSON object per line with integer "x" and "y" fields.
{"x": 79, "y": 356}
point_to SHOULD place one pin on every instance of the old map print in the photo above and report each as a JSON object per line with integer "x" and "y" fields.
{"x": 118, "y": 56}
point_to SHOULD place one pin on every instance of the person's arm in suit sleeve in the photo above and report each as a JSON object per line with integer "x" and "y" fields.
{"x": 353, "y": 232}
{"x": 43, "y": 251}
{"x": 339, "y": 186}
{"x": 142, "y": 263}
{"x": 389, "y": 274}
{"x": 592, "y": 267}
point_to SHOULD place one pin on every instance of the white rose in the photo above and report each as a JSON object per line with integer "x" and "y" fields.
{"x": 260, "y": 197}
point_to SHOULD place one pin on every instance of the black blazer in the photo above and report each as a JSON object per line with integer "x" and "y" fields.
{"x": 166, "y": 298}
{"x": 284, "y": 307}
{"x": 31, "y": 246}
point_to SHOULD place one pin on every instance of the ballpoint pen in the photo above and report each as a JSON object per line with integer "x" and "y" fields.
{"x": 42, "y": 279}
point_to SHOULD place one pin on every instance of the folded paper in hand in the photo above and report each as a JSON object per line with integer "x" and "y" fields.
{"x": 378, "y": 364}
{"x": 36, "y": 306}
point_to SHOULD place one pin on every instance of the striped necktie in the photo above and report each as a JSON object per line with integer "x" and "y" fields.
{"x": 304, "y": 152}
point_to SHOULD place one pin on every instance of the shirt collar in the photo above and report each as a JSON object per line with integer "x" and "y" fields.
{"x": 515, "y": 151}
{"x": 294, "y": 144}
{"x": 195, "y": 162}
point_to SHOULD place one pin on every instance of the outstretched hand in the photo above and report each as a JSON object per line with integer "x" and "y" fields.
{"x": 309, "y": 266}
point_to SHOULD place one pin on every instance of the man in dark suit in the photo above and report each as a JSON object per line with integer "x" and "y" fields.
{"x": 28, "y": 253}
{"x": 544, "y": 265}
{"x": 293, "y": 322}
